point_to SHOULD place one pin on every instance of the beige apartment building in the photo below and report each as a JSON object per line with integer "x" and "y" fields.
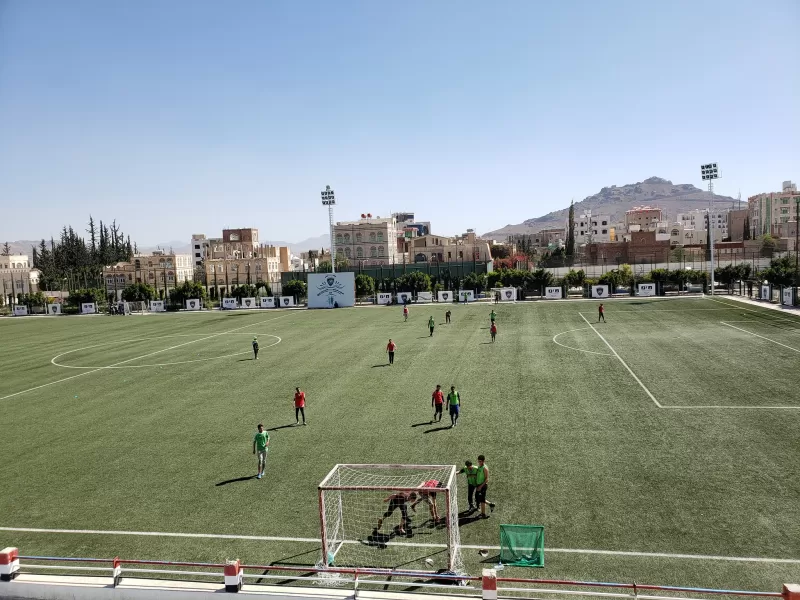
{"x": 17, "y": 276}
{"x": 643, "y": 218}
{"x": 368, "y": 241}
{"x": 161, "y": 270}
{"x": 436, "y": 248}
{"x": 769, "y": 211}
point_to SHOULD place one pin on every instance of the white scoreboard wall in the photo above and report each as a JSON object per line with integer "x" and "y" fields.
{"x": 287, "y": 301}
{"x": 327, "y": 289}
{"x": 384, "y": 298}
{"x": 267, "y": 302}
{"x": 88, "y": 308}
{"x": 229, "y": 303}
{"x": 403, "y": 297}
{"x": 508, "y": 294}
{"x": 157, "y": 306}
{"x": 20, "y": 311}
{"x": 466, "y": 296}
{"x": 249, "y": 303}
{"x": 424, "y": 297}
{"x": 193, "y": 304}
{"x": 54, "y": 309}
{"x": 765, "y": 295}
{"x": 787, "y": 296}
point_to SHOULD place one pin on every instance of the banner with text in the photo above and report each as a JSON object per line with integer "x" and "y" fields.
{"x": 424, "y": 297}
{"x": 508, "y": 294}
{"x": 599, "y": 291}
{"x": 267, "y": 302}
{"x": 88, "y": 308}
{"x": 327, "y": 290}
{"x": 193, "y": 304}
{"x": 444, "y": 296}
{"x": 287, "y": 301}
{"x": 20, "y": 311}
{"x": 788, "y": 296}
{"x": 54, "y": 309}
{"x": 552, "y": 293}
{"x": 384, "y": 298}
{"x": 647, "y": 289}
{"x": 466, "y": 296}
{"x": 157, "y": 306}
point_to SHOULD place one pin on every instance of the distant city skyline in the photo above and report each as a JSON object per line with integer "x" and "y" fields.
{"x": 179, "y": 118}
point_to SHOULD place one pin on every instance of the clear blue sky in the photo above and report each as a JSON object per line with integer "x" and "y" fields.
{"x": 189, "y": 116}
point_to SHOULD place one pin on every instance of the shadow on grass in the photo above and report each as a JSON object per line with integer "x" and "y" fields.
{"x": 245, "y": 359}
{"x": 380, "y": 365}
{"x": 281, "y": 427}
{"x": 467, "y": 518}
{"x": 424, "y": 337}
{"x": 437, "y": 429}
{"x": 423, "y": 423}
{"x": 247, "y": 478}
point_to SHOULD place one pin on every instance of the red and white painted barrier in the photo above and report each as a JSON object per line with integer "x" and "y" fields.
{"x": 791, "y": 591}
{"x": 489, "y": 584}
{"x": 233, "y": 576}
{"x": 9, "y": 563}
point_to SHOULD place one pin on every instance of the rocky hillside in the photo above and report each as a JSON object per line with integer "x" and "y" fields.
{"x": 614, "y": 201}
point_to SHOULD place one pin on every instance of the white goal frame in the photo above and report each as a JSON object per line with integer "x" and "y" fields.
{"x": 446, "y": 490}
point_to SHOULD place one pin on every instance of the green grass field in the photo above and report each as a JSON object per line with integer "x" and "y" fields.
{"x": 672, "y": 429}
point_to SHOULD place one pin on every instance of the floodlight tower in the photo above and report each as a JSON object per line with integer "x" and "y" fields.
{"x": 709, "y": 172}
{"x": 329, "y": 200}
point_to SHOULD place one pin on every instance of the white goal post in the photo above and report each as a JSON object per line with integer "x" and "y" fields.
{"x": 369, "y": 518}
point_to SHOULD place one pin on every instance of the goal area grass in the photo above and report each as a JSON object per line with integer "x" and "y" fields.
{"x": 661, "y": 446}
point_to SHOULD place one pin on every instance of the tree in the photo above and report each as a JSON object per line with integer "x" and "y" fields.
{"x": 81, "y": 295}
{"x": 746, "y": 233}
{"x": 365, "y": 285}
{"x": 415, "y": 281}
{"x": 494, "y": 279}
{"x": 6, "y": 249}
{"x": 768, "y": 245}
{"x": 575, "y": 278}
{"x": 186, "y": 290}
{"x": 780, "y": 271}
{"x": 138, "y": 292}
{"x": 296, "y": 288}
{"x": 474, "y": 281}
{"x": 246, "y": 290}
{"x": 570, "y": 245}
{"x": 540, "y": 279}
{"x": 501, "y": 251}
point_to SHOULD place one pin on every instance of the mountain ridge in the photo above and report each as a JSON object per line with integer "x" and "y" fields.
{"x": 615, "y": 200}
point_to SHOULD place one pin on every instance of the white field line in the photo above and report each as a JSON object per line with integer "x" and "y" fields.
{"x": 760, "y": 312}
{"x": 555, "y": 340}
{"x": 760, "y": 336}
{"x": 729, "y": 407}
{"x": 135, "y": 358}
{"x": 624, "y": 364}
{"x": 267, "y": 538}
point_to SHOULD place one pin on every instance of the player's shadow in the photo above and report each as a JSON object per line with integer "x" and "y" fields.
{"x": 380, "y": 365}
{"x": 282, "y": 427}
{"x": 245, "y": 359}
{"x": 248, "y": 478}
{"x": 423, "y": 423}
{"x": 437, "y": 429}
{"x": 424, "y": 337}
{"x": 468, "y": 516}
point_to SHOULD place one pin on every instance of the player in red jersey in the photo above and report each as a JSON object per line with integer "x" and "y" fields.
{"x": 601, "y": 315}
{"x": 390, "y": 348}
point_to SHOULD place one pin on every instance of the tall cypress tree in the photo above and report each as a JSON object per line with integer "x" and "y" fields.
{"x": 570, "y": 247}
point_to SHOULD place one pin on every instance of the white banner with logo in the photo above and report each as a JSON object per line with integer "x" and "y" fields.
{"x": 88, "y": 308}
{"x": 424, "y": 297}
{"x": 267, "y": 302}
{"x": 229, "y": 303}
{"x": 466, "y": 296}
{"x": 552, "y": 293}
{"x": 193, "y": 304}
{"x": 20, "y": 311}
{"x": 765, "y": 295}
{"x": 787, "y": 296}
{"x": 249, "y": 303}
{"x": 404, "y": 297}
{"x": 599, "y": 291}
{"x": 157, "y": 306}
{"x": 646, "y": 289}
{"x": 384, "y": 298}
{"x": 287, "y": 301}
{"x": 328, "y": 290}
{"x": 445, "y": 296}
{"x": 54, "y": 309}
{"x": 508, "y": 294}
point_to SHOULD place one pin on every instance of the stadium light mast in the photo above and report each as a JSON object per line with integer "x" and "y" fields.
{"x": 709, "y": 172}
{"x": 329, "y": 200}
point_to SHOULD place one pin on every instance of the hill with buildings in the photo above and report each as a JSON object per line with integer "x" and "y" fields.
{"x": 672, "y": 198}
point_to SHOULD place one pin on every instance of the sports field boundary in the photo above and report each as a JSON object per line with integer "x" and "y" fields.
{"x": 304, "y": 540}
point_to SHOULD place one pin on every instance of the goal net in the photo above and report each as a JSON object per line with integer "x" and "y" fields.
{"x": 402, "y": 517}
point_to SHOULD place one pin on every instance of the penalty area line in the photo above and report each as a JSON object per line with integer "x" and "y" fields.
{"x": 760, "y": 336}
{"x": 624, "y": 364}
{"x": 268, "y": 538}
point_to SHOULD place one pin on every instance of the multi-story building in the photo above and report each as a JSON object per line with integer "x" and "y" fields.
{"x": 591, "y": 228}
{"x": 17, "y": 276}
{"x": 737, "y": 223}
{"x": 698, "y": 219}
{"x": 641, "y": 247}
{"x": 369, "y": 241}
{"x": 200, "y": 247}
{"x": 643, "y": 218}
{"x": 436, "y": 248}
{"x": 552, "y": 237}
{"x": 768, "y": 210}
{"x": 161, "y": 270}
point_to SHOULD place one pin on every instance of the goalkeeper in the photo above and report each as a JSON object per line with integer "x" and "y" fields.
{"x": 429, "y": 497}
{"x": 398, "y": 501}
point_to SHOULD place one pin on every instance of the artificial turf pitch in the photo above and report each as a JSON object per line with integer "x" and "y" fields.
{"x": 676, "y": 434}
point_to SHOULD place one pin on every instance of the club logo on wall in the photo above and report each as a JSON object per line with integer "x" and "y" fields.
{"x": 508, "y": 293}
{"x": 247, "y": 303}
{"x": 330, "y": 285}
{"x": 286, "y": 301}
{"x": 445, "y": 296}
{"x": 598, "y": 291}
{"x": 54, "y": 309}
{"x": 191, "y": 303}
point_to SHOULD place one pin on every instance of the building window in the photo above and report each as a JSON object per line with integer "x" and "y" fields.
{"x": 605, "y": 222}
{"x": 347, "y": 252}
{"x": 197, "y": 246}
{"x": 358, "y": 238}
{"x": 371, "y": 236}
{"x": 605, "y": 230}
{"x": 581, "y": 232}
{"x": 373, "y": 252}
{"x": 359, "y": 252}
{"x": 339, "y": 252}
{"x": 380, "y": 236}
{"x": 338, "y": 238}
{"x": 381, "y": 251}
{"x": 346, "y": 238}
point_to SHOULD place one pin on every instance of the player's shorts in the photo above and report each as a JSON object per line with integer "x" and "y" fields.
{"x": 393, "y": 506}
{"x": 480, "y": 495}
{"x": 454, "y": 409}
{"x": 437, "y": 408}
{"x": 262, "y": 458}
